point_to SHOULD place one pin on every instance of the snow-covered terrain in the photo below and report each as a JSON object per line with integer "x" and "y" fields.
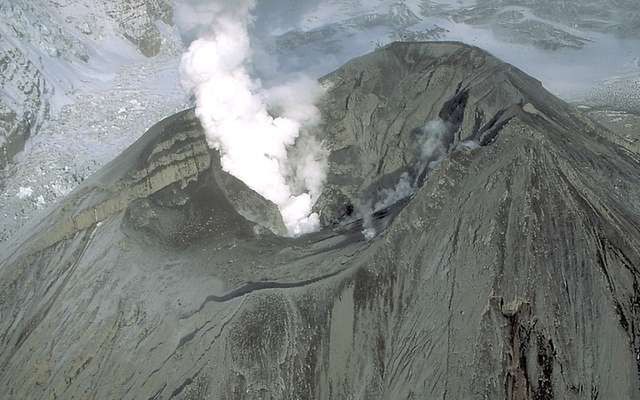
{"x": 86, "y": 134}
{"x": 80, "y": 80}
{"x": 50, "y": 49}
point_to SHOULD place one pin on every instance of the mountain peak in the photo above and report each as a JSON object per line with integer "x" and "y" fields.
{"x": 502, "y": 263}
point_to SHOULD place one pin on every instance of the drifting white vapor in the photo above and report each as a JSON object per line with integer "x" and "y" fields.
{"x": 237, "y": 115}
{"x": 431, "y": 149}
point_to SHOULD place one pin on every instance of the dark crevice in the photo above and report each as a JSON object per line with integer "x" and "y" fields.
{"x": 624, "y": 323}
{"x": 358, "y": 81}
{"x": 452, "y": 111}
{"x": 251, "y": 287}
{"x": 517, "y": 385}
{"x": 602, "y": 263}
{"x": 184, "y": 384}
{"x": 157, "y": 394}
{"x": 491, "y": 134}
{"x": 635, "y": 324}
{"x": 477, "y": 124}
{"x": 546, "y": 356}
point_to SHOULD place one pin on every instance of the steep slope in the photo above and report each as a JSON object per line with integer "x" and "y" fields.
{"x": 510, "y": 271}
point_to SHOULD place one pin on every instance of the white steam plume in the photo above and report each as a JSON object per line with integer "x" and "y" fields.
{"x": 430, "y": 151}
{"x": 237, "y": 115}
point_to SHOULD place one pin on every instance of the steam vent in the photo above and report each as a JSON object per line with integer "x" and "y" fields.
{"x": 512, "y": 271}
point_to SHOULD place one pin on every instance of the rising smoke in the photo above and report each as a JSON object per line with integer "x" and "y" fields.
{"x": 432, "y": 145}
{"x": 258, "y": 131}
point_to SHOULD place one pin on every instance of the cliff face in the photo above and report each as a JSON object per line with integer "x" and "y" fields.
{"x": 23, "y": 103}
{"x": 510, "y": 271}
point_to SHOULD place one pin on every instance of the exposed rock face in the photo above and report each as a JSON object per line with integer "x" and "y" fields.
{"x": 512, "y": 273}
{"x": 22, "y": 103}
{"x": 137, "y": 20}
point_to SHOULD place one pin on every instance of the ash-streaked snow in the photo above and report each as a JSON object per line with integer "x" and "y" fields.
{"x": 88, "y": 132}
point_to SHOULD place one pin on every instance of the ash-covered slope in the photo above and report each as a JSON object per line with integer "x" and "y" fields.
{"x": 511, "y": 272}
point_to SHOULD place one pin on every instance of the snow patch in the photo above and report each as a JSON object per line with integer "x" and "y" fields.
{"x": 24, "y": 192}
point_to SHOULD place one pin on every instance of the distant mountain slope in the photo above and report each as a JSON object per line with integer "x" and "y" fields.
{"x": 570, "y": 44}
{"x": 48, "y": 48}
{"x": 512, "y": 271}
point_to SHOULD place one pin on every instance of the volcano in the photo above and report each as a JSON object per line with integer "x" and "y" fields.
{"x": 510, "y": 272}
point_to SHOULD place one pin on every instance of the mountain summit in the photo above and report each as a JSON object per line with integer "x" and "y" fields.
{"x": 505, "y": 268}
